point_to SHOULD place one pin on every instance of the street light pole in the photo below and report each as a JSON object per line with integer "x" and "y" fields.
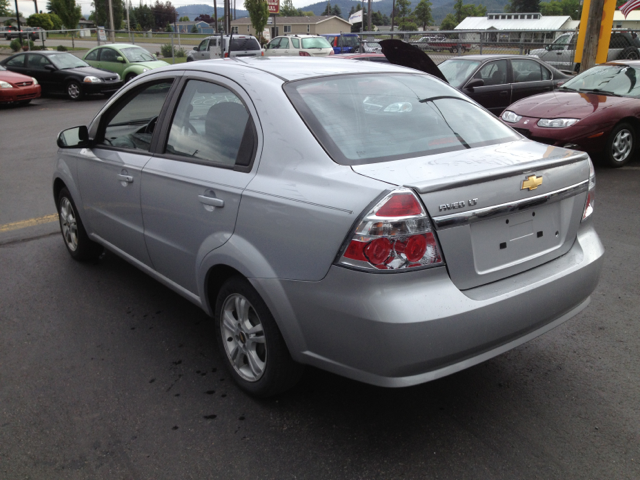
{"x": 113, "y": 32}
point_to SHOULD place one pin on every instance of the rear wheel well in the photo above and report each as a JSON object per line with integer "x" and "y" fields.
{"x": 216, "y": 277}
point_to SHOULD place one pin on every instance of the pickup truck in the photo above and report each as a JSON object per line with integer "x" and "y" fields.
{"x": 561, "y": 53}
{"x": 440, "y": 44}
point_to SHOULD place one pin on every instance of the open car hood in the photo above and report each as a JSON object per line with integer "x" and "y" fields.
{"x": 406, "y": 55}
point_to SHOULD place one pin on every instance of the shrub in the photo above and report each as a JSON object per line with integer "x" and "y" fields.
{"x": 166, "y": 50}
{"x": 180, "y": 52}
{"x": 15, "y": 45}
{"x": 61, "y": 48}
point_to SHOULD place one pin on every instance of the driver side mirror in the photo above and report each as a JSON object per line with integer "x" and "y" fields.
{"x": 51, "y": 68}
{"x": 120, "y": 59}
{"x": 476, "y": 82}
{"x": 547, "y": 47}
{"x": 195, "y": 48}
{"x": 73, "y": 137}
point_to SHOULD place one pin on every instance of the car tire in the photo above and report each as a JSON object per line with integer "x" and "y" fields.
{"x": 129, "y": 77}
{"x": 629, "y": 53}
{"x": 24, "y": 102}
{"x": 454, "y": 50}
{"x": 78, "y": 244}
{"x": 189, "y": 59}
{"x": 74, "y": 90}
{"x": 250, "y": 342}
{"x": 620, "y": 145}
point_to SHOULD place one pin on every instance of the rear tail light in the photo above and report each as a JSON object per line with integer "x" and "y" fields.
{"x": 395, "y": 234}
{"x": 591, "y": 194}
{"x": 226, "y": 54}
{"x": 262, "y": 53}
{"x": 304, "y": 54}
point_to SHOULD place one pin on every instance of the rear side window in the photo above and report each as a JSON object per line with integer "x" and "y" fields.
{"x": 16, "y": 61}
{"x": 211, "y": 124}
{"x": 361, "y": 119}
{"x": 248, "y": 43}
{"x": 296, "y": 42}
{"x": 91, "y": 56}
{"x": 315, "y": 42}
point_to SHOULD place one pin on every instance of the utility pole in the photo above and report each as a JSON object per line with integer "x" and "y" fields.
{"x": 369, "y": 14}
{"x": 393, "y": 13}
{"x": 592, "y": 35}
{"x": 215, "y": 15}
{"x": 18, "y": 19}
{"x": 35, "y": 3}
{"x": 112, "y": 31}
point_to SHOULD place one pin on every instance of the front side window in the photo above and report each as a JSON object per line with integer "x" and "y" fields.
{"x": 203, "y": 45}
{"x": 560, "y": 43}
{"x": 493, "y": 73}
{"x": 108, "y": 55}
{"x": 361, "y": 119}
{"x": 284, "y": 43}
{"x": 212, "y": 125}
{"x": 37, "y": 62}
{"x": 130, "y": 124}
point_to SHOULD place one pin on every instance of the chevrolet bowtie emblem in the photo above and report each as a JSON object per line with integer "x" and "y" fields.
{"x": 531, "y": 183}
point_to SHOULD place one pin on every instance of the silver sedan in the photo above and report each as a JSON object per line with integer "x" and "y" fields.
{"x": 363, "y": 218}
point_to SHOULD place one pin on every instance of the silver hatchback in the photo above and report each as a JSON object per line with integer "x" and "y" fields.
{"x": 363, "y": 218}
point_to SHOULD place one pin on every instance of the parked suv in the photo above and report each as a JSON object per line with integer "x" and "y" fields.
{"x": 299, "y": 46}
{"x": 343, "y": 42}
{"x": 219, "y": 46}
{"x": 561, "y": 53}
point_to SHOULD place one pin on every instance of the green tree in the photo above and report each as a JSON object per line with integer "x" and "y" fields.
{"x": 522, "y": 6}
{"x": 551, "y": 8}
{"x": 194, "y": 29}
{"x": 423, "y": 14}
{"x": 572, "y": 8}
{"x": 101, "y": 12}
{"x": 70, "y": 14}
{"x": 5, "y": 8}
{"x": 327, "y": 10}
{"x": 336, "y": 11}
{"x": 41, "y": 20}
{"x": 258, "y": 13}
{"x": 184, "y": 19}
{"x": 288, "y": 10}
{"x": 449, "y": 22}
{"x": 56, "y": 20}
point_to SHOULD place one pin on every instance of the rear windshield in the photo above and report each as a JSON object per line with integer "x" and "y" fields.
{"x": 249, "y": 43}
{"x": 369, "y": 118}
{"x": 315, "y": 42}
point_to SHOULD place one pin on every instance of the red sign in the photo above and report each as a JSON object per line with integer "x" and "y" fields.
{"x": 274, "y": 6}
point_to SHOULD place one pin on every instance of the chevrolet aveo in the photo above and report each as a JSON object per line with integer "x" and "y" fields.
{"x": 363, "y": 218}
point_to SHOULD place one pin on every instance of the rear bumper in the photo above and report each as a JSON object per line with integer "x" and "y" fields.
{"x": 397, "y": 330}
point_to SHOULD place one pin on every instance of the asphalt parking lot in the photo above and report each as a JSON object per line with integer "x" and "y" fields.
{"x": 105, "y": 373}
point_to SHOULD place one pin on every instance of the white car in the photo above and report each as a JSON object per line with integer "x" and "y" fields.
{"x": 219, "y": 46}
{"x": 299, "y": 46}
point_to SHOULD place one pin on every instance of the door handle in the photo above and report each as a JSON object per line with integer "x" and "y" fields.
{"x": 125, "y": 178}
{"x": 211, "y": 201}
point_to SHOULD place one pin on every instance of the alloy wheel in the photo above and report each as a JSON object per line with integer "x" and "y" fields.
{"x": 622, "y": 145}
{"x": 69, "y": 224}
{"x": 73, "y": 90}
{"x": 243, "y": 337}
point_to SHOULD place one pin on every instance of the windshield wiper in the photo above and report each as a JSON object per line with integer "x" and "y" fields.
{"x": 597, "y": 90}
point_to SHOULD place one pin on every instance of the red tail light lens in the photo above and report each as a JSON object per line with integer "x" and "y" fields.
{"x": 395, "y": 234}
{"x": 226, "y": 54}
{"x": 304, "y": 54}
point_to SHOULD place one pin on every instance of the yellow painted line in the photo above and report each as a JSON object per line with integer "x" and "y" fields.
{"x": 7, "y": 227}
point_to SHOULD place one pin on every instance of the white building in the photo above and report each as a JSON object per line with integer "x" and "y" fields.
{"x": 516, "y": 27}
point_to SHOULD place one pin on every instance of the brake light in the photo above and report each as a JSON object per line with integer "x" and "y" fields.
{"x": 304, "y": 54}
{"x": 591, "y": 194}
{"x": 226, "y": 54}
{"x": 395, "y": 234}
{"x": 262, "y": 53}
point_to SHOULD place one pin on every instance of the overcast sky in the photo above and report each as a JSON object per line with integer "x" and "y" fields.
{"x": 27, "y": 7}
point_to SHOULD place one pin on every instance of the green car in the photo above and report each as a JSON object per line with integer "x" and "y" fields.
{"x": 126, "y": 60}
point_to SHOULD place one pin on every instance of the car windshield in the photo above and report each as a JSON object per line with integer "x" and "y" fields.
{"x": 350, "y": 41}
{"x": 66, "y": 60}
{"x": 248, "y": 43}
{"x": 608, "y": 80}
{"x": 373, "y": 45}
{"x": 315, "y": 42}
{"x": 137, "y": 54}
{"x": 457, "y": 71}
{"x": 361, "y": 119}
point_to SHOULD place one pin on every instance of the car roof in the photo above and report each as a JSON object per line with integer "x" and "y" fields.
{"x": 294, "y": 68}
{"x": 492, "y": 57}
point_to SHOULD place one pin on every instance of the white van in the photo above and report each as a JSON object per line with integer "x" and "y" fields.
{"x": 232, "y": 46}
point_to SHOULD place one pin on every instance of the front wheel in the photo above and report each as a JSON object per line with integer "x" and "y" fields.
{"x": 250, "y": 342}
{"x": 75, "y": 237}
{"x": 74, "y": 90}
{"x": 454, "y": 50}
{"x": 620, "y": 145}
{"x": 130, "y": 77}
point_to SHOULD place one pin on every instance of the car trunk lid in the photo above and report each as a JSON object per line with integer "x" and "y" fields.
{"x": 498, "y": 210}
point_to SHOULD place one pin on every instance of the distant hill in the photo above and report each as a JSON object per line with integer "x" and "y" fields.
{"x": 192, "y": 11}
{"x": 439, "y": 8}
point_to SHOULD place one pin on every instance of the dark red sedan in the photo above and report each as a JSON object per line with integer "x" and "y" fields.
{"x": 17, "y": 88}
{"x": 597, "y": 112}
